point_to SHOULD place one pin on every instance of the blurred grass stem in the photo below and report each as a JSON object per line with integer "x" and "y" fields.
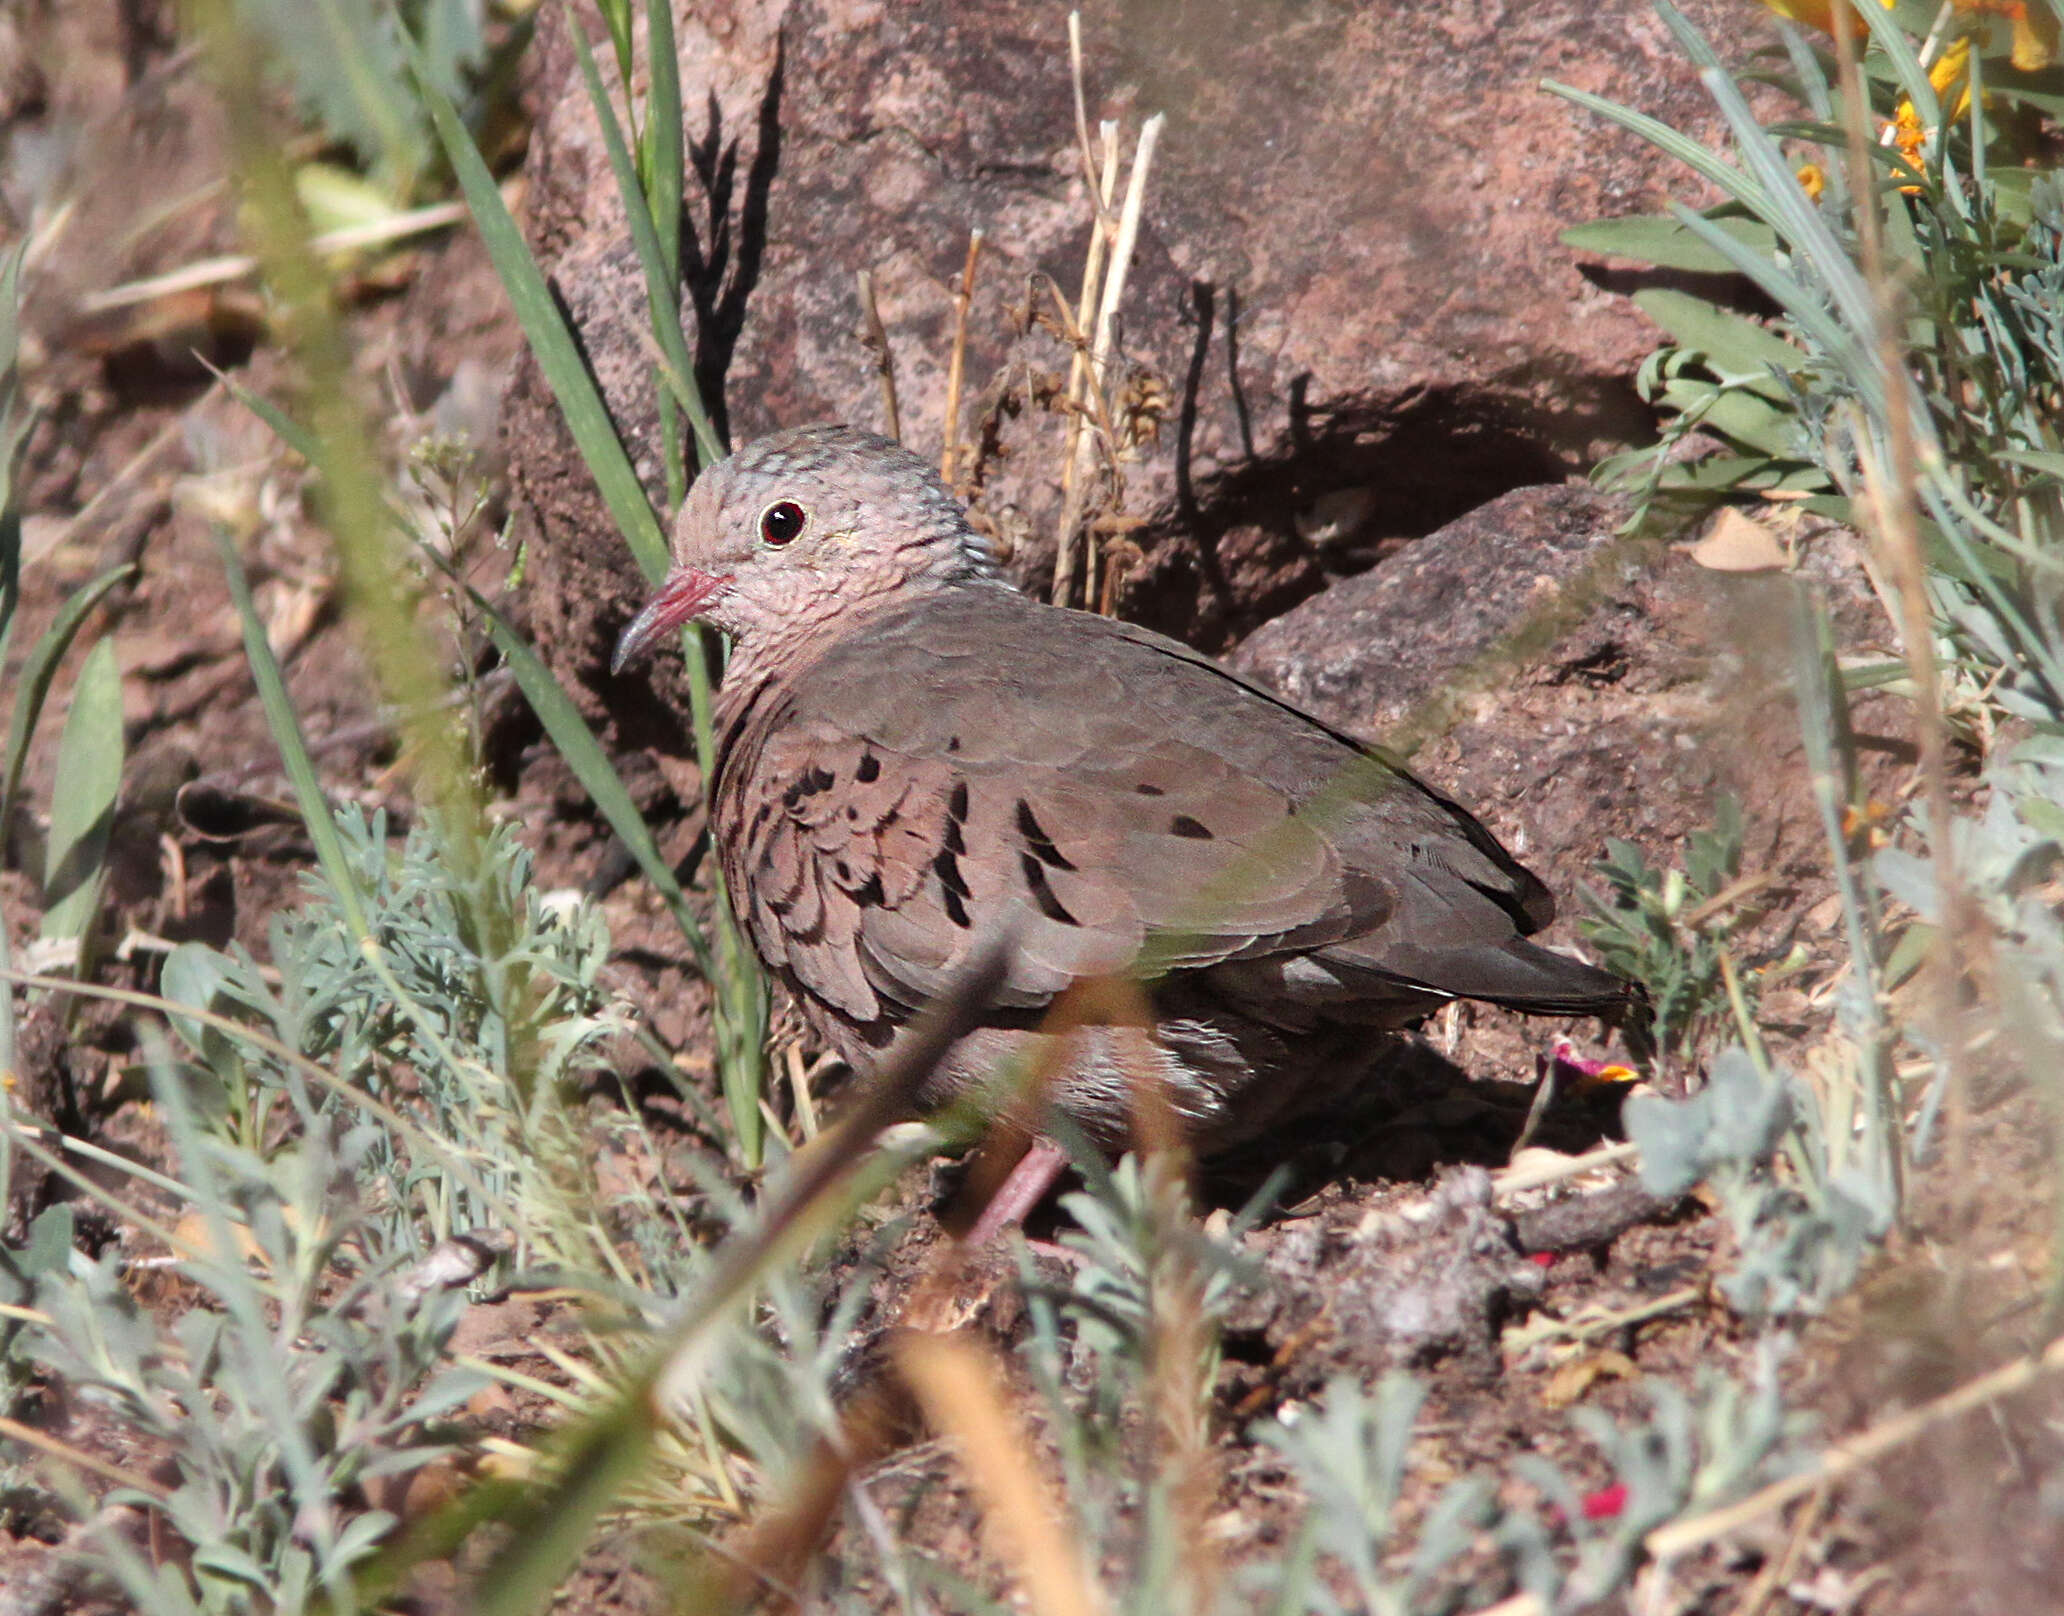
{"x": 1890, "y": 478}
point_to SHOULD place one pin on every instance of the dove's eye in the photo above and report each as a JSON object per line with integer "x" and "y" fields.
{"x": 781, "y": 522}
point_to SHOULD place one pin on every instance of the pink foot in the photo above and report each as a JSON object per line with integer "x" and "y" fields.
{"x": 1022, "y": 1189}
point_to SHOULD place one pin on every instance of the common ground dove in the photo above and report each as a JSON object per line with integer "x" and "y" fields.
{"x": 912, "y": 756}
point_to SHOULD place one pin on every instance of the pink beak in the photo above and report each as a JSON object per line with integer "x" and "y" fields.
{"x": 681, "y": 599}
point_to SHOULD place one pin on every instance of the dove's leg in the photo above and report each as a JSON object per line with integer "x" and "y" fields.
{"x": 1022, "y": 1189}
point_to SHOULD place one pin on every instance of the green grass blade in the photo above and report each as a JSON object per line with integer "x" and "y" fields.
{"x": 1804, "y": 310}
{"x": 1689, "y": 39}
{"x": 591, "y": 766}
{"x": 666, "y": 160}
{"x": 740, "y": 995}
{"x": 7, "y": 1070}
{"x": 10, "y": 567}
{"x": 1654, "y": 239}
{"x": 289, "y": 431}
{"x": 580, "y": 401}
{"x": 82, "y": 800}
{"x": 10, "y": 301}
{"x": 736, "y": 985}
{"x": 36, "y": 674}
{"x": 660, "y": 283}
{"x": 10, "y": 438}
{"x": 1790, "y": 212}
{"x": 286, "y": 735}
{"x": 1737, "y": 185}
{"x": 1890, "y": 38}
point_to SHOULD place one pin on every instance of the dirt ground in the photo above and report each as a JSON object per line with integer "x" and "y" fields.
{"x": 136, "y": 449}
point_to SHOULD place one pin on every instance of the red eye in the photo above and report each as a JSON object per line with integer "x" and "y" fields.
{"x": 781, "y": 522}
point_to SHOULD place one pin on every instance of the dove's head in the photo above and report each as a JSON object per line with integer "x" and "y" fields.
{"x": 803, "y": 527}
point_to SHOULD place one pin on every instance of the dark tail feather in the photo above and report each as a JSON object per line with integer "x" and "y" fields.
{"x": 1538, "y": 981}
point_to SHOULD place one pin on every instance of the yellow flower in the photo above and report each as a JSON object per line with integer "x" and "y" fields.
{"x": 1954, "y": 69}
{"x": 1820, "y": 14}
{"x": 1952, "y": 72}
{"x": 1811, "y": 180}
{"x": 2035, "y": 37}
{"x": 2035, "y": 29}
{"x": 1911, "y": 137}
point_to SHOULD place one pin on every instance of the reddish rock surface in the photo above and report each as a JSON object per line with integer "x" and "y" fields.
{"x": 1348, "y": 277}
{"x": 1400, "y": 646}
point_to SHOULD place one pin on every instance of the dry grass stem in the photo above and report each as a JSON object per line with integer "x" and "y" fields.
{"x": 1532, "y": 1175}
{"x": 1895, "y": 529}
{"x": 1121, "y": 252}
{"x": 239, "y": 266}
{"x": 1090, "y": 170}
{"x": 956, "y": 368}
{"x": 1103, "y": 188}
{"x": 78, "y": 1458}
{"x": 956, "y": 1382}
{"x": 1114, "y": 292}
{"x": 1777, "y": 1571}
{"x": 876, "y": 341}
{"x": 1850, "y": 1455}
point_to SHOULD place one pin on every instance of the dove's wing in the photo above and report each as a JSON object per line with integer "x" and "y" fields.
{"x": 978, "y": 761}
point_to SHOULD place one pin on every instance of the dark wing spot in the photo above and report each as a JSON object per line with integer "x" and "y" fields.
{"x": 845, "y": 871}
{"x": 870, "y": 894}
{"x": 1037, "y": 839}
{"x": 869, "y": 768}
{"x": 1195, "y": 829}
{"x": 1146, "y": 790}
{"x": 953, "y": 743}
{"x": 956, "y": 816}
{"x": 947, "y": 868}
{"x": 1042, "y": 894}
{"x": 808, "y": 784}
{"x": 956, "y": 911}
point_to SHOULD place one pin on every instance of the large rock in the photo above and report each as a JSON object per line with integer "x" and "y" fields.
{"x": 1396, "y": 652}
{"x": 1348, "y": 278}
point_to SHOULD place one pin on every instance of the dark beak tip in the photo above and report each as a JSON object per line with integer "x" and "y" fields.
{"x": 679, "y": 600}
{"x": 631, "y": 643}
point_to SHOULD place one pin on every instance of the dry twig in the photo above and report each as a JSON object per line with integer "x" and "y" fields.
{"x": 957, "y": 366}
{"x": 876, "y": 340}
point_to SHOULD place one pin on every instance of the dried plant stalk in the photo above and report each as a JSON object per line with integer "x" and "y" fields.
{"x": 1103, "y": 188}
{"x": 876, "y": 340}
{"x": 956, "y": 1382}
{"x": 956, "y": 368}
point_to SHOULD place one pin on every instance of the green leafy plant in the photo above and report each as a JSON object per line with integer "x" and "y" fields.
{"x": 1974, "y": 244}
{"x": 1804, "y": 1217}
{"x": 89, "y": 768}
{"x": 489, "y": 1041}
{"x": 309, "y": 1368}
{"x": 345, "y": 61}
{"x": 1351, "y": 1454}
{"x": 1669, "y": 929}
